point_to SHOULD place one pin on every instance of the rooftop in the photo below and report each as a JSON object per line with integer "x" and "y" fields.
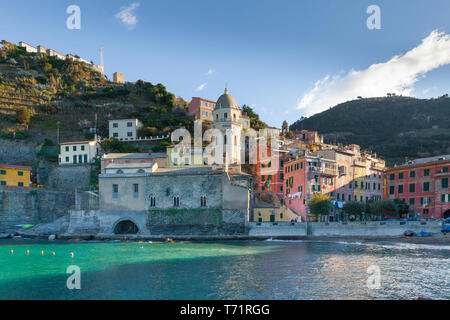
{"x": 132, "y": 165}
{"x": 78, "y": 142}
{"x": 11, "y": 166}
{"x": 127, "y": 156}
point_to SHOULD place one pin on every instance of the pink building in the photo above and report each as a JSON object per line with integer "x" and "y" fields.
{"x": 201, "y": 109}
{"x": 423, "y": 185}
{"x": 306, "y": 176}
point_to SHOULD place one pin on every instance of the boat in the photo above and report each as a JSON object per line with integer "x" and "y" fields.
{"x": 424, "y": 233}
{"x": 445, "y": 229}
{"x": 409, "y": 233}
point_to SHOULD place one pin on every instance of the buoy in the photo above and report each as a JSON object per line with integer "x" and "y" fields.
{"x": 71, "y": 254}
{"x": 53, "y": 253}
{"x": 12, "y": 251}
{"x": 28, "y": 252}
{"x": 42, "y": 253}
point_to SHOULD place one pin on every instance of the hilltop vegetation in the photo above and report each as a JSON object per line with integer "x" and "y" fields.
{"x": 37, "y": 92}
{"x": 394, "y": 127}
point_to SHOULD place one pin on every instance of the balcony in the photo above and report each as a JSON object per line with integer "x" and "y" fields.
{"x": 324, "y": 171}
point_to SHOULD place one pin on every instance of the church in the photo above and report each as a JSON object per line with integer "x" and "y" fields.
{"x": 185, "y": 199}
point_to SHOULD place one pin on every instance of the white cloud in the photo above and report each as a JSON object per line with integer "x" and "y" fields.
{"x": 398, "y": 75}
{"x": 201, "y": 87}
{"x": 210, "y": 72}
{"x": 127, "y": 16}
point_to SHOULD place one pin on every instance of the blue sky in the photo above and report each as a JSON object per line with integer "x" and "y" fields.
{"x": 274, "y": 55}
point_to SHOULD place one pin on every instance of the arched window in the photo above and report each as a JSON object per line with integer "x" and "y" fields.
{"x": 176, "y": 201}
{"x": 225, "y": 115}
{"x": 119, "y": 171}
{"x": 225, "y": 139}
{"x": 234, "y": 117}
{"x": 235, "y": 140}
{"x": 141, "y": 171}
{"x": 203, "y": 201}
{"x": 152, "y": 202}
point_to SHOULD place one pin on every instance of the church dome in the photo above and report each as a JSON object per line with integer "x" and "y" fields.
{"x": 226, "y": 101}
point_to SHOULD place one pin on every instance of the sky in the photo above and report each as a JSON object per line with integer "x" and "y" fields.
{"x": 285, "y": 59}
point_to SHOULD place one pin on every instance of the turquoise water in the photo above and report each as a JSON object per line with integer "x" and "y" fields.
{"x": 225, "y": 270}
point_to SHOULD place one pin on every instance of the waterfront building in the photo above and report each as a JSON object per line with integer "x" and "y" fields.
{"x": 343, "y": 173}
{"x": 306, "y": 175}
{"x": 190, "y": 200}
{"x": 15, "y": 176}
{"x": 78, "y": 152}
{"x": 269, "y": 169}
{"x": 268, "y": 208}
{"x": 423, "y": 185}
{"x": 124, "y": 129}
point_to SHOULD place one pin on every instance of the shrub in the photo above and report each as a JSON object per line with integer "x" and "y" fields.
{"x": 23, "y": 115}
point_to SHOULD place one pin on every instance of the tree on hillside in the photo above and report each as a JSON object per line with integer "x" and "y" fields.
{"x": 285, "y": 127}
{"x": 255, "y": 122}
{"x": 23, "y": 115}
{"x": 320, "y": 205}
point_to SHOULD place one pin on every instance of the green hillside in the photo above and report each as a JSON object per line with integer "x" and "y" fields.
{"x": 394, "y": 127}
{"x": 37, "y": 92}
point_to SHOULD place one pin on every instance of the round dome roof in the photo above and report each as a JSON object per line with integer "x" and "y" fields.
{"x": 226, "y": 101}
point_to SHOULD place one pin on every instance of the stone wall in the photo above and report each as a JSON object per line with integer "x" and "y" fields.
{"x": 32, "y": 206}
{"x": 196, "y": 222}
{"x": 335, "y": 229}
{"x": 18, "y": 152}
{"x": 67, "y": 178}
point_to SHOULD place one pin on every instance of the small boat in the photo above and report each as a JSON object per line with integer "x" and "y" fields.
{"x": 445, "y": 229}
{"x": 409, "y": 233}
{"x": 424, "y": 233}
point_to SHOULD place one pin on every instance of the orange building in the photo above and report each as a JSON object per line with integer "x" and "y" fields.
{"x": 201, "y": 109}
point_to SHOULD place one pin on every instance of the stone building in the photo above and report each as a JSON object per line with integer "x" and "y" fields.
{"x": 228, "y": 119}
{"x": 118, "y": 77}
{"x": 175, "y": 200}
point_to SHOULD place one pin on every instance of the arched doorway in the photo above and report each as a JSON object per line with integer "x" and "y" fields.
{"x": 126, "y": 227}
{"x": 447, "y": 214}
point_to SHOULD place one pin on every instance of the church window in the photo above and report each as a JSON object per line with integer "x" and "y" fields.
{"x": 176, "y": 201}
{"x": 203, "y": 201}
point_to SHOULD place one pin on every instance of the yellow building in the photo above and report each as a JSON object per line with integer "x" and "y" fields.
{"x": 15, "y": 176}
{"x": 267, "y": 208}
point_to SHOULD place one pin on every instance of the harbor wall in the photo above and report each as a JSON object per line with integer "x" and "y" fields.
{"x": 336, "y": 229}
{"x": 31, "y": 206}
